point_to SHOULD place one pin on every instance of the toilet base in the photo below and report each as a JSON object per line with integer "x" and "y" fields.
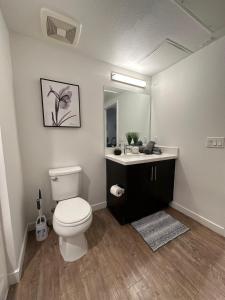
{"x": 73, "y": 248}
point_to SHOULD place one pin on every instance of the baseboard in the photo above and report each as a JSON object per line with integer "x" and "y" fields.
{"x": 98, "y": 206}
{"x": 202, "y": 220}
{"x": 15, "y": 276}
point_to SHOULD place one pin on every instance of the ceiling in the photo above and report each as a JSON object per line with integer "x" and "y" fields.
{"x": 126, "y": 32}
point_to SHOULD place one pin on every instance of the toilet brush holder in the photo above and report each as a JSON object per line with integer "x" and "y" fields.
{"x": 41, "y": 228}
{"x": 41, "y": 222}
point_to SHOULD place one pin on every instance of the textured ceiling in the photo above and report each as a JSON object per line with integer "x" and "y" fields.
{"x": 121, "y": 32}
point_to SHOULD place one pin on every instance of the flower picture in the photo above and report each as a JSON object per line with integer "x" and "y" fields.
{"x": 60, "y": 103}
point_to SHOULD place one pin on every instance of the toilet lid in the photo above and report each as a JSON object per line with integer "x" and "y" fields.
{"x": 72, "y": 210}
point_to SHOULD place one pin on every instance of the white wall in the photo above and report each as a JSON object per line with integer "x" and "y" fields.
{"x": 4, "y": 285}
{"x": 11, "y": 182}
{"x": 188, "y": 104}
{"x": 44, "y": 148}
{"x": 3, "y": 266}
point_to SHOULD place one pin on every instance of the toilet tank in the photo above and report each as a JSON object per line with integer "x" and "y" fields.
{"x": 65, "y": 182}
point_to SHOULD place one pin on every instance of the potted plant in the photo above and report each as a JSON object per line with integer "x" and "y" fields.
{"x": 129, "y": 137}
{"x": 135, "y": 137}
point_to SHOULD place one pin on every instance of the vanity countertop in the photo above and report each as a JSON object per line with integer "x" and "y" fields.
{"x": 133, "y": 159}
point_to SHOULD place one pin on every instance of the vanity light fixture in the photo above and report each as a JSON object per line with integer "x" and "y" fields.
{"x": 128, "y": 80}
{"x": 110, "y": 91}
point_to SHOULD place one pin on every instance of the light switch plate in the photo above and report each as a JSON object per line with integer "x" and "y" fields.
{"x": 215, "y": 142}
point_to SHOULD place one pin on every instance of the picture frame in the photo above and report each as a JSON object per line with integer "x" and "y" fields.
{"x": 60, "y": 104}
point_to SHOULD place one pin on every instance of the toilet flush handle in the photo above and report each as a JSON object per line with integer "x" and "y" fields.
{"x": 54, "y": 178}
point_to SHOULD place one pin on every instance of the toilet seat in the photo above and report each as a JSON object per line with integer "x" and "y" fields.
{"x": 72, "y": 212}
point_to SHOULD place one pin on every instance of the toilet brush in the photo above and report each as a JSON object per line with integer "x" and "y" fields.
{"x": 41, "y": 222}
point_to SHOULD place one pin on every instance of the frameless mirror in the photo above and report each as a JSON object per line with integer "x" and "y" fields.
{"x": 125, "y": 111}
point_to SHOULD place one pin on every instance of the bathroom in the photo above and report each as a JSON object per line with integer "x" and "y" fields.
{"x": 186, "y": 112}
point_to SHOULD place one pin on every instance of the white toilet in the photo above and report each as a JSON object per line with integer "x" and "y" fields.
{"x": 73, "y": 215}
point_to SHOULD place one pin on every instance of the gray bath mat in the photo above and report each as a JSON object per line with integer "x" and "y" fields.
{"x": 158, "y": 229}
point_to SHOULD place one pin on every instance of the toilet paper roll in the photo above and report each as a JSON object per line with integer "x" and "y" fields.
{"x": 116, "y": 190}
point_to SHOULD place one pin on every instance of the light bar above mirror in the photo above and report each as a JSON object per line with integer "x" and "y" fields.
{"x": 128, "y": 80}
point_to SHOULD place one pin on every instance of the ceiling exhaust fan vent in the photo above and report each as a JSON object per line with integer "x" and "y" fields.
{"x": 60, "y": 28}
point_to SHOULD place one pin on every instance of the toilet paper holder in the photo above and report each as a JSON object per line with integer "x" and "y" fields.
{"x": 117, "y": 190}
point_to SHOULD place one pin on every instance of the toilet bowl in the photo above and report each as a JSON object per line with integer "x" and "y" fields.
{"x": 71, "y": 219}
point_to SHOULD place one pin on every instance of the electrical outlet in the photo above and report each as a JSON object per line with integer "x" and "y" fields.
{"x": 220, "y": 142}
{"x": 215, "y": 142}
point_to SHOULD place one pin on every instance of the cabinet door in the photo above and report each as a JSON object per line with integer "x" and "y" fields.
{"x": 141, "y": 190}
{"x": 135, "y": 197}
{"x": 151, "y": 189}
{"x": 164, "y": 182}
{"x": 116, "y": 174}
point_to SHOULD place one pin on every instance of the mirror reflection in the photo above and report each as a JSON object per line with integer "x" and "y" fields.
{"x": 127, "y": 117}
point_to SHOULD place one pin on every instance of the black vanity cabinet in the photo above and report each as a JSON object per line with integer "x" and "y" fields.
{"x": 148, "y": 188}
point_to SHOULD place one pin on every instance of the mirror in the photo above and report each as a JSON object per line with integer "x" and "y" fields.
{"x": 125, "y": 111}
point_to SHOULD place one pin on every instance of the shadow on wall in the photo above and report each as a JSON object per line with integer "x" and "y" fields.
{"x": 85, "y": 185}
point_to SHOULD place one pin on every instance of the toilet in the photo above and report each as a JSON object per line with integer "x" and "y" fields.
{"x": 72, "y": 215}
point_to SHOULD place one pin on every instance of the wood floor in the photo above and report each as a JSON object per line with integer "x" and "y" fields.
{"x": 119, "y": 265}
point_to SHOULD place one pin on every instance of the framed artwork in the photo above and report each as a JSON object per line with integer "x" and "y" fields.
{"x": 60, "y": 103}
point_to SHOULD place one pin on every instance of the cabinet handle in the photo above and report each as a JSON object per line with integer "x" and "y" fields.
{"x": 152, "y": 173}
{"x": 155, "y": 173}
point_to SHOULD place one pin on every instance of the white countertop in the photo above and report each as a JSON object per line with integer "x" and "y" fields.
{"x": 134, "y": 159}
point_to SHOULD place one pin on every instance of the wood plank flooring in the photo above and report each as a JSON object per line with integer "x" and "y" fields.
{"x": 120, "y": 265}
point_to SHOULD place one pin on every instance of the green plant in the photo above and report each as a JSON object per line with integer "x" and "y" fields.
{"x": 129, "y": 137}
{"x": 135, "y": 137}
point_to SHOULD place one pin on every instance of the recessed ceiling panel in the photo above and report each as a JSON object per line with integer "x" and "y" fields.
{"x": 167, "y": 54}
{"x": 211, "y": 13}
